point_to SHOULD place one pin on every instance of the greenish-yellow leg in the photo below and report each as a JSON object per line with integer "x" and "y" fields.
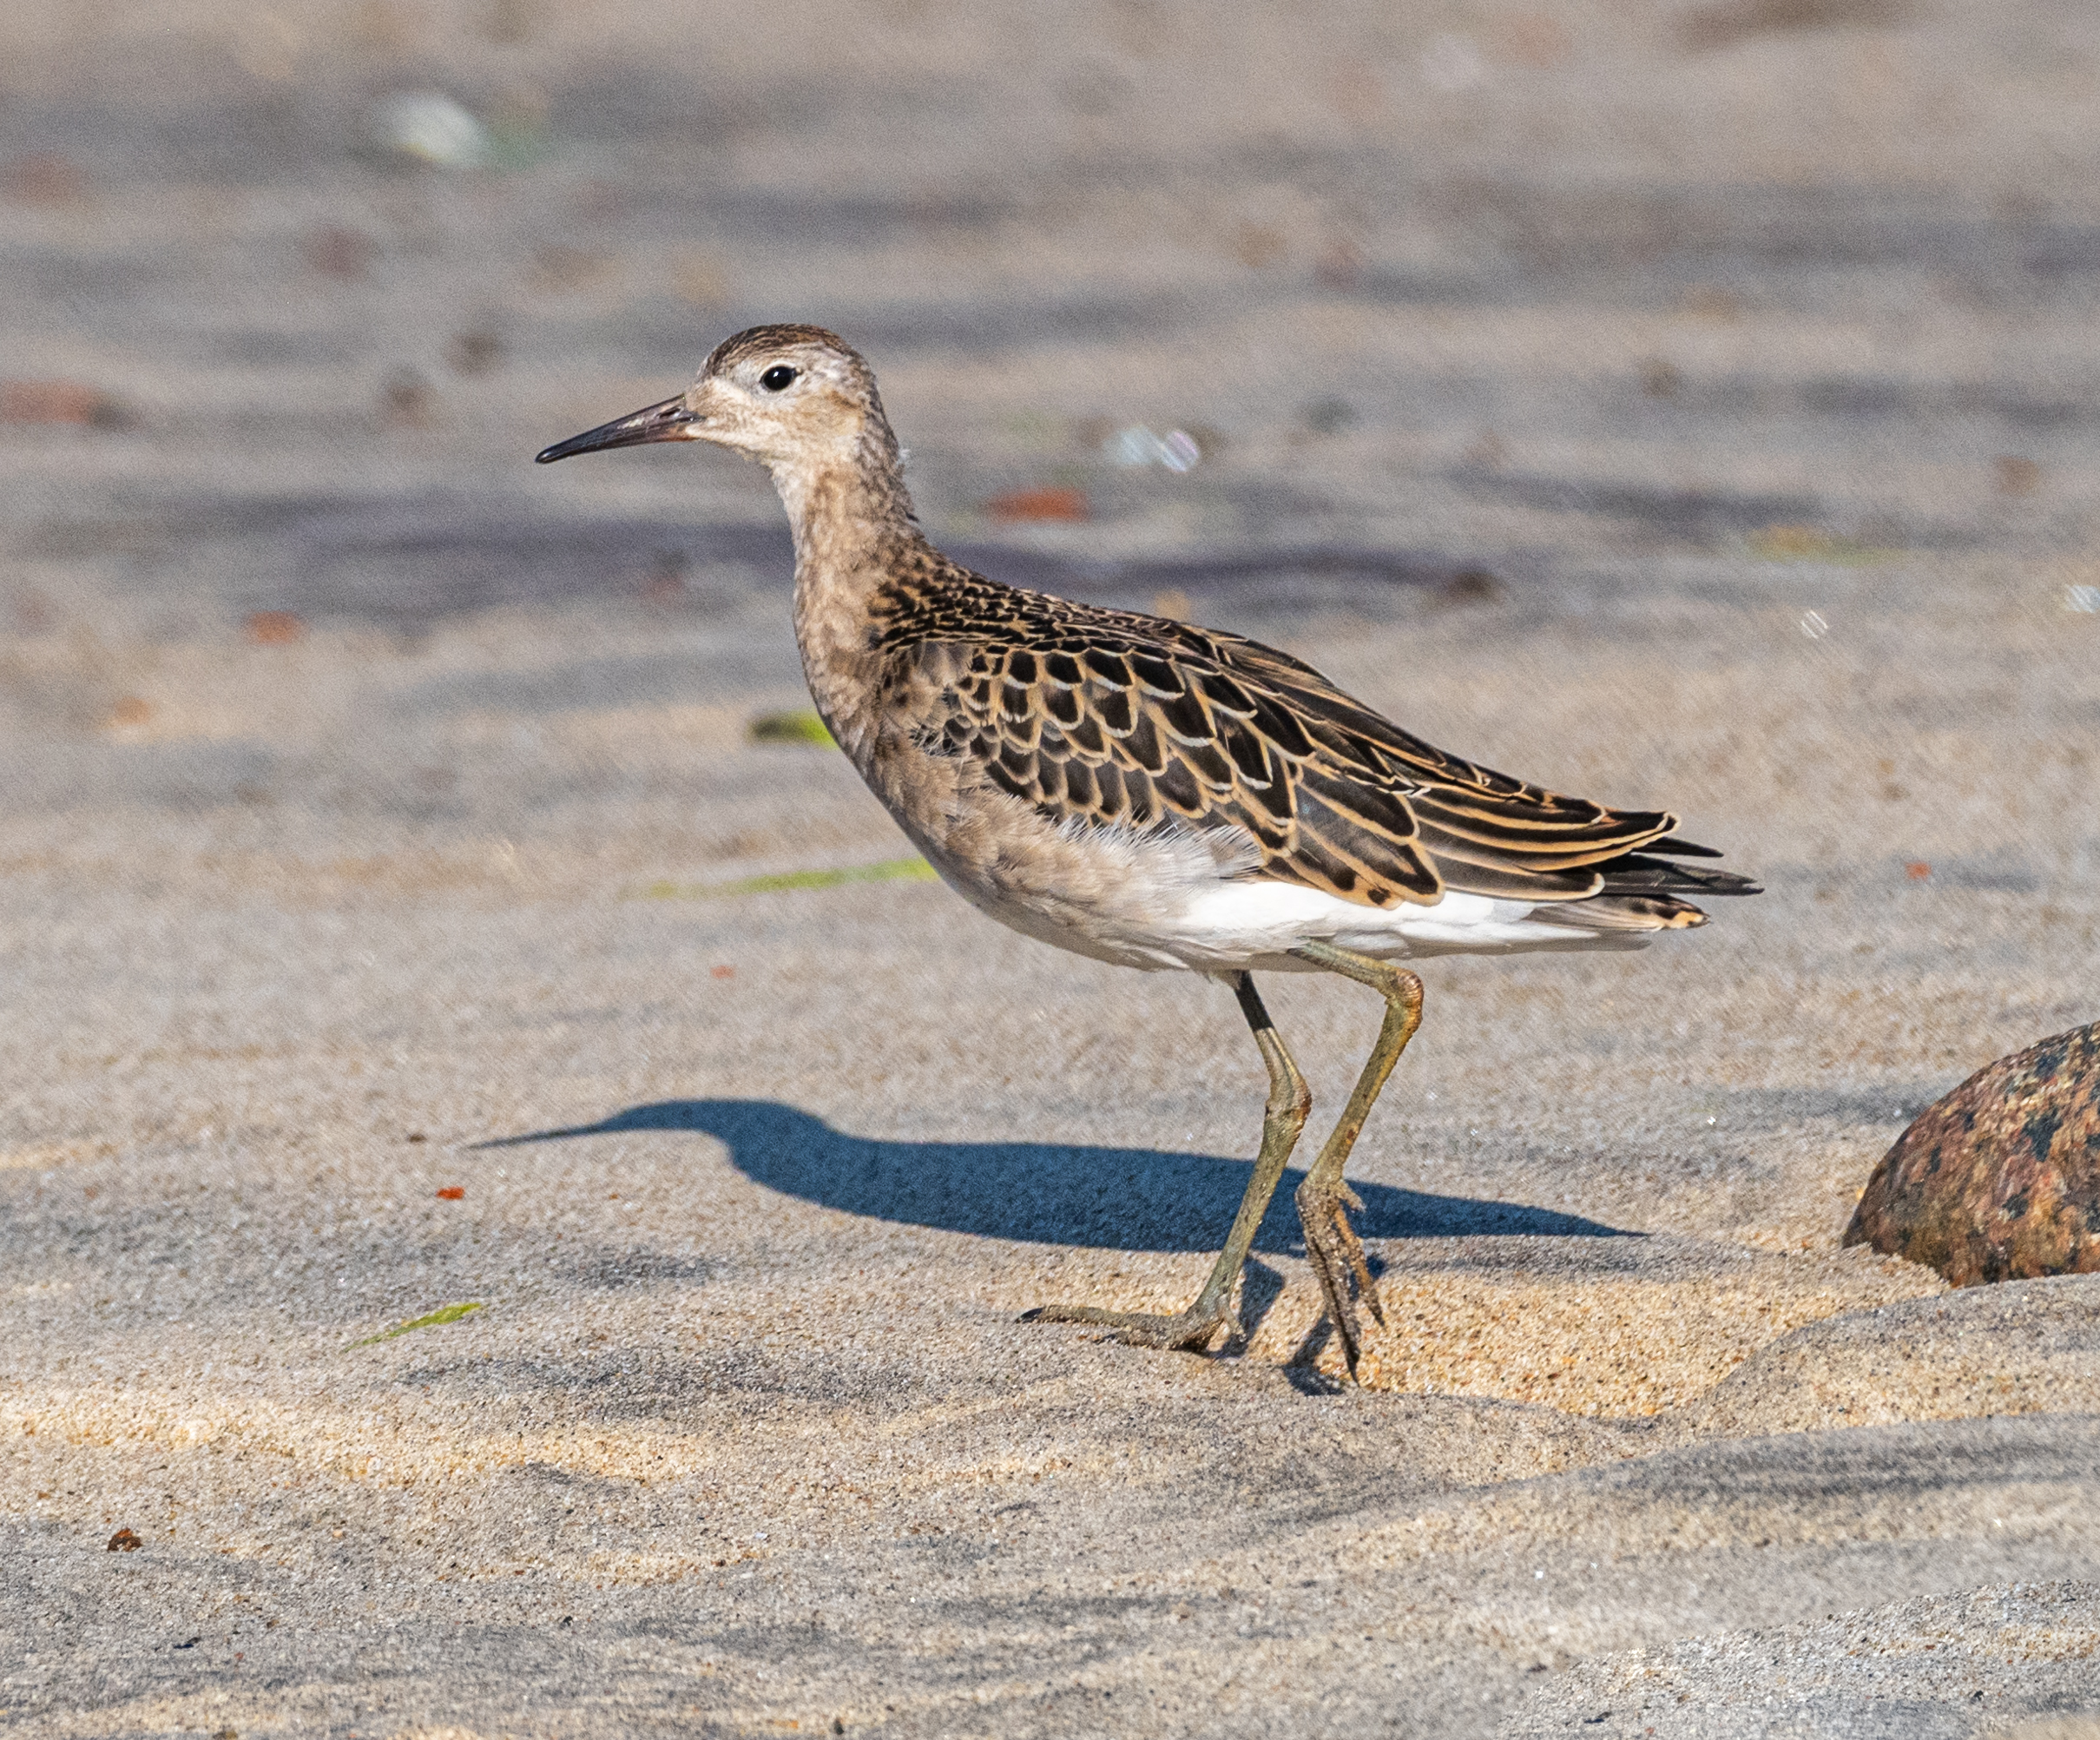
{"x": 1283, "y": 1118}
{"x": 1323, "y": 1199}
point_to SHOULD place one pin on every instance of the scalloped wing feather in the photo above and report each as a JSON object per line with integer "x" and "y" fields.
{"x": 1106, "y": 717}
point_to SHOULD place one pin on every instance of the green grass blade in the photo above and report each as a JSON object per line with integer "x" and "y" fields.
{"x": 802, "y": 726}
{"x": 443, "y": 1314}
{"x": 891, "y": 870}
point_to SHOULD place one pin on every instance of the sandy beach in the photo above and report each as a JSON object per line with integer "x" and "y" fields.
{"x": 519, "y": 1197}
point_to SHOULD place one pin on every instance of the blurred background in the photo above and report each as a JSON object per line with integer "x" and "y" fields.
{"x": 1385, "y": 297}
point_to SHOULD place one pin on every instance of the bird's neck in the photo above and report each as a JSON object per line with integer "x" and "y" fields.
{"x": 846, "y": 503}
{"x": 853, "y": 522}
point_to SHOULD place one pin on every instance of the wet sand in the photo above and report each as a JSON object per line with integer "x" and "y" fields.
{"x": 1671, "y": 409}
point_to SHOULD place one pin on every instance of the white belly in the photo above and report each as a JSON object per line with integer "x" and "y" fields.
{"x": 1248, "y": 924}
{"x": 1192, "y": 919}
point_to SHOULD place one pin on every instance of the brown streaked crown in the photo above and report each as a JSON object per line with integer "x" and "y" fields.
{"x": 754, "y": 342}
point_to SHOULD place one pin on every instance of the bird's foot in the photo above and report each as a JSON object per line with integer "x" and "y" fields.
{"x": 1337, "y": 1257}
{"x": 1191, "y": 1329}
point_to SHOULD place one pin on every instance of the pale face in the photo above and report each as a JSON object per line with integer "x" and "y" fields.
{"x": 793, "y": 406}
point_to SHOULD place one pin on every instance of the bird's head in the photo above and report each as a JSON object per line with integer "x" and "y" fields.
{"x": 796, "y": 399}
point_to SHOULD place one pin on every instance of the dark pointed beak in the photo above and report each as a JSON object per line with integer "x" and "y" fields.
{"x": 666, "y": 422}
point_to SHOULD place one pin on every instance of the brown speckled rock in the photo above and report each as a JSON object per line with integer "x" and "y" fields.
{"x": 2000, "y": 1180}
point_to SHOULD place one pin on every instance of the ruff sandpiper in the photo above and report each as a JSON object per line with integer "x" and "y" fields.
{"x": 1154, "y": 794}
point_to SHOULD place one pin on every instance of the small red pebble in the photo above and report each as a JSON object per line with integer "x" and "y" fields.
{"x": 452, "y": 1193}
{"x": 721, "y": 973}
{"x": 338, "y": 252}
{"x": 1039, "y": 505}
{"x": 274, "y": 628}
{"x": 1916, "y": 872}
{"x": 57, "y": 401}
{"x": 44, "y": 180}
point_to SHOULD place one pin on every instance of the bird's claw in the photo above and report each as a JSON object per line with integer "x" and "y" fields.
{"x": 1337, "y": 1258}
{"x": 1186, "y": 1329}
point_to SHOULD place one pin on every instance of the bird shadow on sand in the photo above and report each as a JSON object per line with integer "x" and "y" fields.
{"x": 1056, "y": 1193}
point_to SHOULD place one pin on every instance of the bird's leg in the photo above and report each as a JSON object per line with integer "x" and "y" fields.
{"x": 1323, "y": 1199}
{"x": 1283, "y": 1116}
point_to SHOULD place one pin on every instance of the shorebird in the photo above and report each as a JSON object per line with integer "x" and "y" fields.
{"x": 1154, "y": 794}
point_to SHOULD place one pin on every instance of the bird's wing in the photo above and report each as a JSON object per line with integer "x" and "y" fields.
{"x": 1108, "y": 717}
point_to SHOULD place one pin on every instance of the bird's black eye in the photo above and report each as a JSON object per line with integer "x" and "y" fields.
{"x": 778, "y": 378}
